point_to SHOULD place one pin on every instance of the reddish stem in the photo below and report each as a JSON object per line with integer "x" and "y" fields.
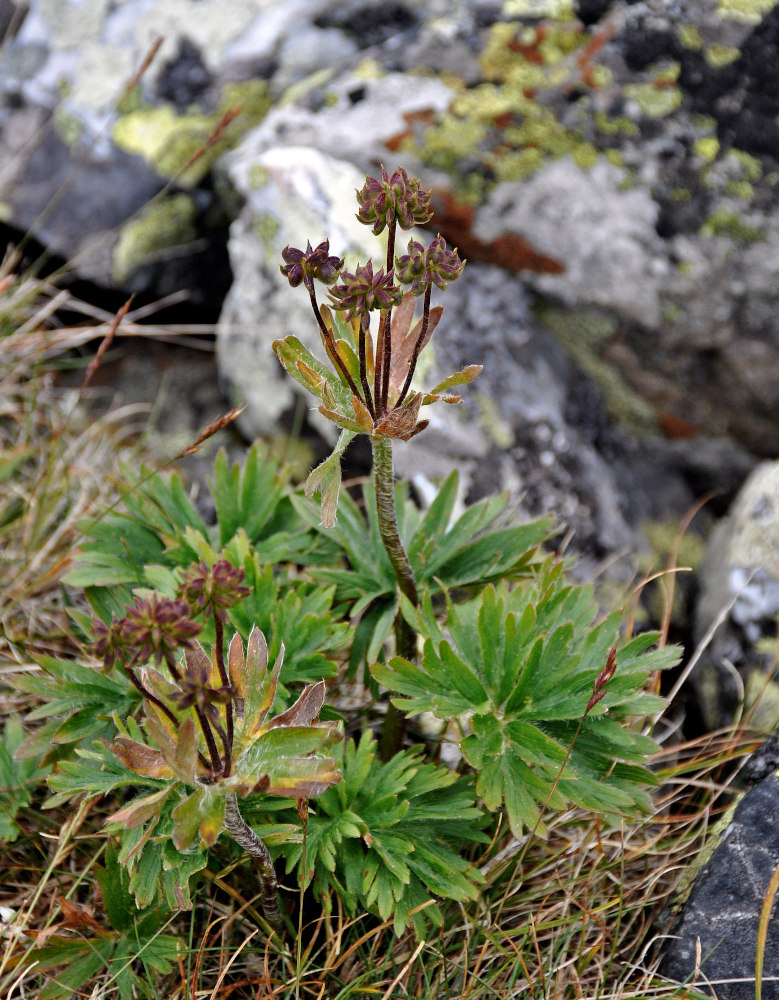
{"x": 412, "y": 364}
{"x": 220, "y": 663}
{"x": 330, "y": 341}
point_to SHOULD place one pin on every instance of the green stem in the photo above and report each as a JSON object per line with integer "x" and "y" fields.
{"x": 246, "y": 838}
{"x": 388, "y": 522}
{"x": 405, "y": 637}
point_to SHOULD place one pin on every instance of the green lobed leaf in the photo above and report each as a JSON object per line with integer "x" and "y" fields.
{"x": 521, "y": 664}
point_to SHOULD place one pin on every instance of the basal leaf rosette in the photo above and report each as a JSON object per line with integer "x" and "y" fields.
{"x": 282, "y": 755}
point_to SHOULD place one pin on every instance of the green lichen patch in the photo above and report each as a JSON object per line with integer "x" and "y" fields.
{"x": 151, "y": 234}
{"x": 656, "y": 99}
{"x": 748, "y": 11}
{"x": 707, "y": 147}
{"x": 690, "y": 37}
{"x": 506, "y": 122}
{"x": 617, "y": 125}
{"x": 168, "y": 140}
{"x": 717, "y": 55}
{"x": 555, "y": 10}
{"x": 724, "y": 222}
{"x": 266, "y": 227}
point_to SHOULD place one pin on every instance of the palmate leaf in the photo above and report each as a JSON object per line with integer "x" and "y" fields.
{"x": 390, "y": 835}
{"x": 445, "y": 552}
{"x": 78, "y": 703}
{"x": 158, "y": 525}
{"x": 521, "y": 665}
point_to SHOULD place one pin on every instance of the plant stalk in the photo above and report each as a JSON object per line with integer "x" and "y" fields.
{"x": 223, "y": 676}
{"x": 387, "y": 516}
{"x": 246, "y": 838}
{"x": 405, "y": 637}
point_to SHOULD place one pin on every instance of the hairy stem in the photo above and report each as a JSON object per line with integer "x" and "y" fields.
{"x": 246, "y": 838}
{"x": 405, "y": 637}
{"x": 387, "y": 516}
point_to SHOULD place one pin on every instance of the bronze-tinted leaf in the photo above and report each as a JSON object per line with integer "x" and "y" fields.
{"x": 401, "y": 423}
{"x": 306, "y": 709}
{"x": 311, "y": 379}
{"x": 258, "y": 702}
{"x": 198, "y": 662}
{"x": 305, "y": 778}
{"x": 185, "y": 759}
{"x": 159, "y": 727}
{"x": 140, "y": 758}
{"x": 256, "y": 657}
{"x": 341, "y": 421}
{"x": 467, "y": 374}
{"x": 212, "y": 814}
{"x": 403, "y": 344}
{"x": 362, "y": 415}
{"x": 236, "y": 667}
{"x": 140, "y": 810}
{"x": 186, "y": 821}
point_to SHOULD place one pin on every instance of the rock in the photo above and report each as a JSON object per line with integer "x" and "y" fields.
{"x": 355, "y": 117}
{"x": 720, "y": 916}
{"x": 739, "y": 589}
{"x": 602, "y": 234}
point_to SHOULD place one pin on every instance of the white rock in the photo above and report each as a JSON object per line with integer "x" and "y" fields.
{"x": 602, "y": 234}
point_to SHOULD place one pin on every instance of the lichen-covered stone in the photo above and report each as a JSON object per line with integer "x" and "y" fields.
{"x": 720, "y": 918}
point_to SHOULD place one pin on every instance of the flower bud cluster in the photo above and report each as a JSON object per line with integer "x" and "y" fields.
{"x": 307, "y": 265}
{"x": 364, "y": 291}
{"x": 420, "y": 268}
{"x": 398, "y": 197}
{"x": 218, "y": 586}
{"x": 152, "y": 628}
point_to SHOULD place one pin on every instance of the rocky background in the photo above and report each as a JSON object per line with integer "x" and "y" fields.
{"x": 610, "y": 170}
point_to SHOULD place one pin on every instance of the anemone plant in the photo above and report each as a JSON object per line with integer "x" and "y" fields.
{"x": 206, "y": 739}
{"x": 368, "y": 388}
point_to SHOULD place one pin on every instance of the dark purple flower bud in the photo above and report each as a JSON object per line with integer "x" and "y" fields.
{"x": 420, "y": 268}
{"x": 363, "y": 291}
{"x": 109, "y": 644}
{"x": 157, "y": 627}
{"x": 393, "y": 198}
{"x": 304, "y": 266}
{"x": 220, "y": 586}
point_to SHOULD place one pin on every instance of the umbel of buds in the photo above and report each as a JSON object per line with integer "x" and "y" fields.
{"x": 420, "y": 268}
{"x": 365, "y": 291}
{"x": 310, "y": 265}
{"x": 368, "y": 388}
{"x": 390, "y": 200}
